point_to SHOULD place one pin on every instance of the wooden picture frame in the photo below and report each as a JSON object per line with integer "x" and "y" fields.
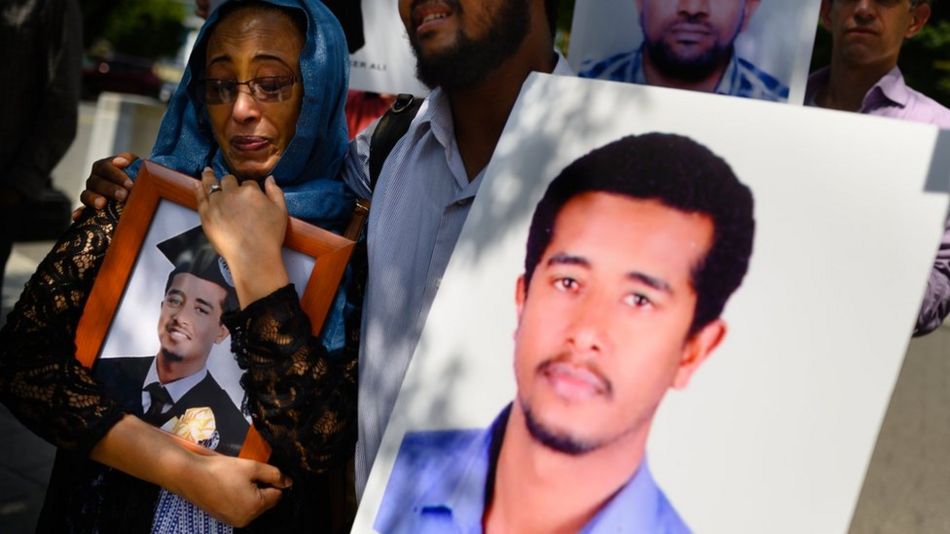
{"x": 154, "y": 186}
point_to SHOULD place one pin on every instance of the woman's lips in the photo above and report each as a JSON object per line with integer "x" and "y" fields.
{"x": 249, "y": 143}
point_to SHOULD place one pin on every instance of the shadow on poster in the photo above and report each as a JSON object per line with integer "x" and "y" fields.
{"x": 544, "y": 378}
{"x": 749, "y": 48}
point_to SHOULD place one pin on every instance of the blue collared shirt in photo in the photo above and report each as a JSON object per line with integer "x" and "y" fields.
{"x": 439, "y": 483}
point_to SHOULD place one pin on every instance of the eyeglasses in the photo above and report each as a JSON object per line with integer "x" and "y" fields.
{"x": 265, "y": 89}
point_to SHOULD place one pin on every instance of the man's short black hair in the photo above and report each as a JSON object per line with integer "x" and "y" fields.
{"x": 679, "y": 173}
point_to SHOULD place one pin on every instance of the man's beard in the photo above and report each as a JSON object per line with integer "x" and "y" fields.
{"x": 172, "y": 356}
{"x": 472, "y": 60}
{"x": 687, "y": 69}
{"x": 557, "y": 441}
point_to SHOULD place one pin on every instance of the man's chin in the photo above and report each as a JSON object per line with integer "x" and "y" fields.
{"x": 172, "y": 356}
{"x": 687, "y": 63}
{"x": 555, "y": 437}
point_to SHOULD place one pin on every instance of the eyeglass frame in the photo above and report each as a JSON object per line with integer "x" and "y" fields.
{"x": 250, "y": 83}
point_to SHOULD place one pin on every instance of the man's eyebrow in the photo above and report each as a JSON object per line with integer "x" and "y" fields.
{"x": 652, "y": 281}
{"x": 568, "y": 259}
{"x": 176, "y": 292}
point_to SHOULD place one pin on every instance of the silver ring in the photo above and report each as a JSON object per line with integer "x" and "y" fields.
{"x": 214, "y": 189}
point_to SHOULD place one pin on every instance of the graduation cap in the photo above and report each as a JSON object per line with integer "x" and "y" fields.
{"x": 191, "y": 252}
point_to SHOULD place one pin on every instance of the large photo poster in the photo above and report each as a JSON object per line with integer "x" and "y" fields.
{"x": 750, "y": 48}
{"x": 654, "y": 321}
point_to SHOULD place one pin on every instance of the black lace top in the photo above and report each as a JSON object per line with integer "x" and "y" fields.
{"x": 302, "y": 401}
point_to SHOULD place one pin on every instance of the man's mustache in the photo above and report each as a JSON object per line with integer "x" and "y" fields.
{"x": 565, "y": 358}
{"x": 699, "y": 21}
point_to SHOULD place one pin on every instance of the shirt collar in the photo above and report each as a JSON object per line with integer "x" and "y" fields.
{"x": 638, "y": 505}
{"x": 453, "y": 494}
{"x": 889, "y": 90}
{"x": 436, "y": 114}
{"x": 177, "y": 389}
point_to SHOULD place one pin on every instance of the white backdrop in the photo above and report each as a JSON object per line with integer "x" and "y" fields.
{"x": 779, "y": 38}
{"x": 775, "y": 431}
{"x": 385, "y": 64}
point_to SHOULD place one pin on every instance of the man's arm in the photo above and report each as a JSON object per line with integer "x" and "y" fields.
{"x": 54, "y": 126}
{"x": 356, "y": 163}
{"x": 936, "y": 304}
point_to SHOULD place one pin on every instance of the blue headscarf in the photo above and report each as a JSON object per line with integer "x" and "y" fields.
{"x": 308, "y": 169}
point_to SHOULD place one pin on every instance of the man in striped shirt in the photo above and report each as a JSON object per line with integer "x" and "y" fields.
{"x": 690, "y": 45}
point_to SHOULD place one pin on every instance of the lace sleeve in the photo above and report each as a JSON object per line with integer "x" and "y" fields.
{"x": 41, "y": 381}
{"x": 303, "y": 402}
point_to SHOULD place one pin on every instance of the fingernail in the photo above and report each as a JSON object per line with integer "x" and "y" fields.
{"x": 121, "y": 194}
{"x": 120, "y": 161}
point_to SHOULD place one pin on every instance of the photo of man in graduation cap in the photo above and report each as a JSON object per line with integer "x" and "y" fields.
{"x": 173, "y": 389}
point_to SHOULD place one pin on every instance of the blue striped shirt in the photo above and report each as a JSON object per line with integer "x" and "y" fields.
{"x": 741, "y": 78}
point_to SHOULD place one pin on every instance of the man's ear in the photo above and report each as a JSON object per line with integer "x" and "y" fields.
{"x": 520, "y": 296}
{"x": 697, "y": 348}
{"x": 825, "y": 14}
{"x": 222, "y": 333}
{"x": 751, "y": 6}
{"x": 920, "y": 15}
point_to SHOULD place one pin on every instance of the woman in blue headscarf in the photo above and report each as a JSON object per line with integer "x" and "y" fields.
{"x": 262, "y": 96}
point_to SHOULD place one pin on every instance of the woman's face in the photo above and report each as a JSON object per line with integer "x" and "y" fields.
{"x": 254, "y": 132}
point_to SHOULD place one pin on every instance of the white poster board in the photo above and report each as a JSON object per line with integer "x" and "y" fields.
{"x": 775, "y": 432}
{"x": 385, "y": 64}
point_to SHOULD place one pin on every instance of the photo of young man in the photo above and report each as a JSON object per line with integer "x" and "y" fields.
{"x": 630, "y": 259}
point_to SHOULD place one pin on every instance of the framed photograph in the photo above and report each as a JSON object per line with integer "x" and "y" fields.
{"x": 568, "y": 381}
{"x": 152, "y": 331}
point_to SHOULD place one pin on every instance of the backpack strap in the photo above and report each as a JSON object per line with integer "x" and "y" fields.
{"x": 391, "y": 127}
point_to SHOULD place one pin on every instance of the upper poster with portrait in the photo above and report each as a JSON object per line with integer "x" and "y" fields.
{"x": 657, "y": 322}
{"x": 749, "y": 48}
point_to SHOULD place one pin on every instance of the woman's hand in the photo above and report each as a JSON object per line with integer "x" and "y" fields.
{"x": 107, "y": 181}
{"x": 247, "y": 228}
{"x": 231, "y": 489}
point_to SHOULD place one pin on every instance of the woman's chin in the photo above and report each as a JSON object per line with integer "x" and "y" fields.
{"x": 252, "y": 171}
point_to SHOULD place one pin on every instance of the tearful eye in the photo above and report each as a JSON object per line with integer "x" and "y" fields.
{"x": 637, "y": 300}
{"x": 173, "y": 301}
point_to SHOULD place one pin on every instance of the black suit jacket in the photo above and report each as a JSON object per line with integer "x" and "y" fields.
{"x": 123, "y": 380}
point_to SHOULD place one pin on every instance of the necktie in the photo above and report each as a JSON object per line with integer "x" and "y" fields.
{"x": 160, "y": 398}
